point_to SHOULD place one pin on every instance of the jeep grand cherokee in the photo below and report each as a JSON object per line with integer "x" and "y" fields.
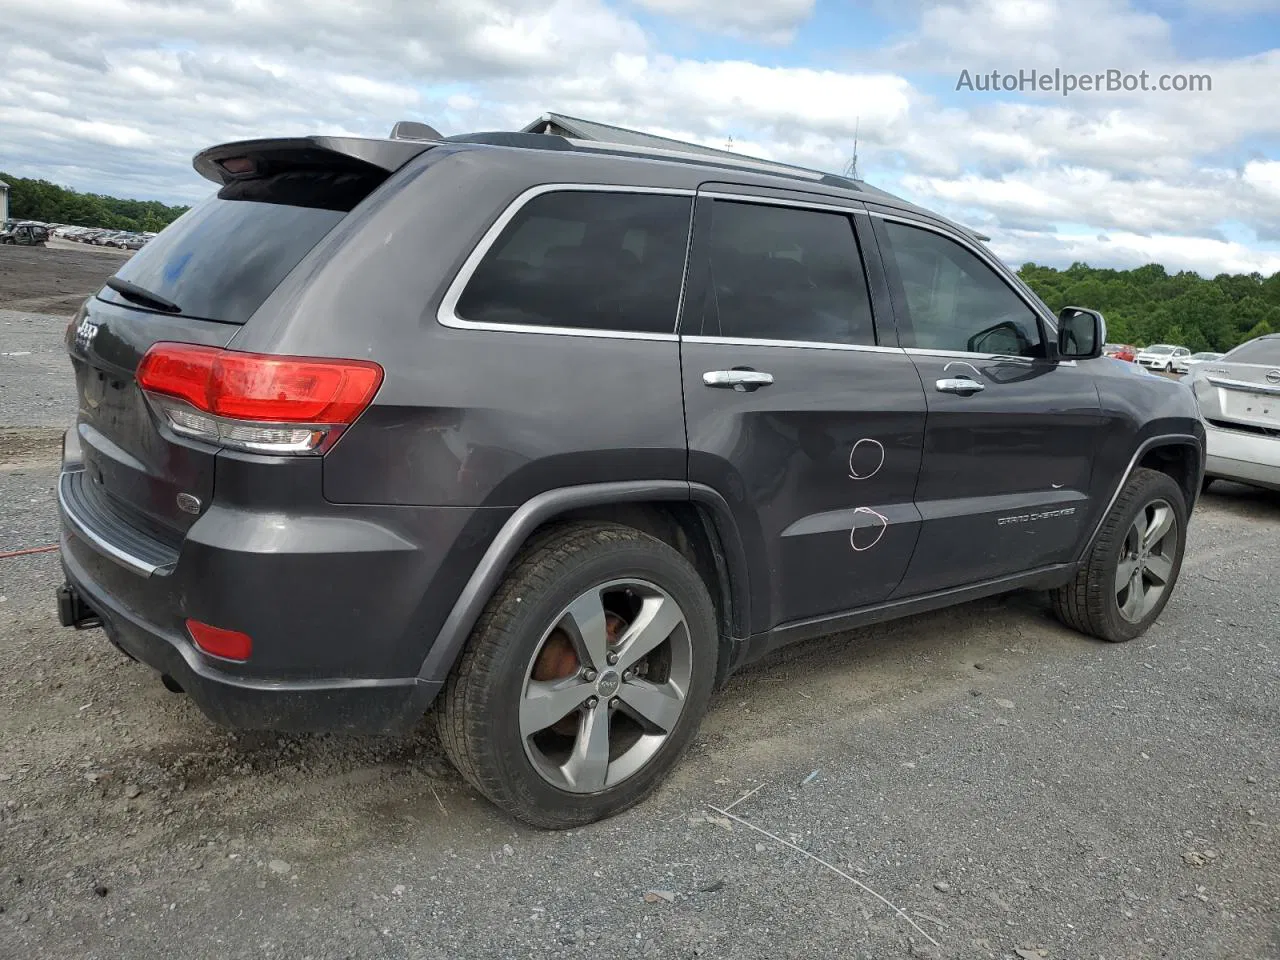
{"x": 554, "y": 435}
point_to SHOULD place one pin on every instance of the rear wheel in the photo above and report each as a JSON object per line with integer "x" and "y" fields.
{"x": 586, "y": 677}
{"x": 1130, "y": 571}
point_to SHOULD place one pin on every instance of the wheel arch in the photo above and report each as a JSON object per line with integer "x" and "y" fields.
{"x": 1181, "y": 460}
{"x": 692, "y": 518}
{"x": 1180, "y": 456}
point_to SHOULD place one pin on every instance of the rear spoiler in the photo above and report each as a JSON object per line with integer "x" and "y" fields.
{"x": 255, "y": 158}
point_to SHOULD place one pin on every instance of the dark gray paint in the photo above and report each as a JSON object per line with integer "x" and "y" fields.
{"x": 370, "y": 565}
{"x": 1022, "y": 447}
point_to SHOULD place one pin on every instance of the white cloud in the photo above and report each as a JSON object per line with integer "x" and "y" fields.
{"x": 770, "y": 21}
{"x": 1264, "y": 176}
{"x": 116, "y": 96}
{"x": 1095, "y": 197}
{"x": 1077, "y": 35}
{"x": 1204, "y": 255}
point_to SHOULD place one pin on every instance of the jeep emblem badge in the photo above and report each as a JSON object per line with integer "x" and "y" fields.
{"x": 608, "y": 683}
{"x": 85, "y": 333}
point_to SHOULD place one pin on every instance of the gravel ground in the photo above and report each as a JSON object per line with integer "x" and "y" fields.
{"x": 1010, "y": 785}
{"x": 37, "y": 388}
{"x": 1017, "y": 790}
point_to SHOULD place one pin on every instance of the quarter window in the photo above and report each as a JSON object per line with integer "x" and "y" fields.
{"x": 954, "y": 301}
{"x": 782, "y": 273}
{"x": 585, "y": 259}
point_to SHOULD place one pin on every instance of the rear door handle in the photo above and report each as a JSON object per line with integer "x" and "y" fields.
{"x": 961, "y": 385}
{"x": 740, "y": 380}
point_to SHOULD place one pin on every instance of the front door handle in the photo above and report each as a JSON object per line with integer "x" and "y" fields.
{"x": 961, "y": 385}
{"x": 741, "y": 380}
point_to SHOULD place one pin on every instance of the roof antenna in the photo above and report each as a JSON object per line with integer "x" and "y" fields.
{"x": 851, "y": 168}
{"x": 413, "y": 130}
{"x": 728, "y": 145}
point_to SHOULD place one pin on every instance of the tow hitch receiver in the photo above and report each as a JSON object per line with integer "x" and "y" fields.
{"x": 73, "y": 611}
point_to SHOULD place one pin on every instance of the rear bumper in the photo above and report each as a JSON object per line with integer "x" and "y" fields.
{"x": 343, "y": 602}
{"x": 1242, "y": 456}
{"x": 298, "y": 706}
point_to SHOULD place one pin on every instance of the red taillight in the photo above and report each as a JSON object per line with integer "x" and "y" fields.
{"x": 256, "y": 386}
{"x": 233, "y": 388}
{"x": 228, "y": 644}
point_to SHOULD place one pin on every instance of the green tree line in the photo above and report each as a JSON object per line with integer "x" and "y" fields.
{"x": 50, "y": 203}
{"x": 1149, "y": 305}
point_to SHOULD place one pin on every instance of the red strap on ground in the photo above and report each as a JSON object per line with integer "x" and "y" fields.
{"x": 23, "y": 553}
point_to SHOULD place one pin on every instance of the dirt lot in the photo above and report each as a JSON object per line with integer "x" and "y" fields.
{"x": 54, "y": 279}
{"x": 1018, "y": 790}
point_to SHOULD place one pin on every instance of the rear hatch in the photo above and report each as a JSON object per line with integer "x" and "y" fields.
{"x": 1242, "y": 390}
{"x": 199, "y": 282}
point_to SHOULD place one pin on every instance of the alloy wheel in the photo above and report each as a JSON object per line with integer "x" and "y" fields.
{"x": 606, "y": 686}
{"x": 1146, "y": 560}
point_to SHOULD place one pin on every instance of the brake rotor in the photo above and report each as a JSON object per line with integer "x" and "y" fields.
{"x": 558, "y": 660}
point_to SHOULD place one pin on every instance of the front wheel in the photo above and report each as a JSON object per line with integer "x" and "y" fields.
{"x": 1130, "y": 571}
{"x": 586, "y": 677}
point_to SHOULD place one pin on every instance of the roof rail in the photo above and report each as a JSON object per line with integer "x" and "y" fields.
{"x": 507, "y": 138}
{"x": 554, "y": 141}
{"x": 712, "y": 160}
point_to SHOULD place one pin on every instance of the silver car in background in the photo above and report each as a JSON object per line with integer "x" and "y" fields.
{"x": 1239, "y": 397}
{"x": 1184, "y": 364}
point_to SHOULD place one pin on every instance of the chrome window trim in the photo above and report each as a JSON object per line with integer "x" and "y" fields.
{"x": 965, "y": 355}
{"x": 781, "y": 201}
{"x": 809, "y": 344}
{"x": 996, "y": 265}
{"x": 447, "y": 314}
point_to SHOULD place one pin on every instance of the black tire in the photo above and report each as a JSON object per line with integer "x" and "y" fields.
{"x": 1206, "y": 483}
{"x": 1089, "y": 602}
{"x": 478, "y": 712}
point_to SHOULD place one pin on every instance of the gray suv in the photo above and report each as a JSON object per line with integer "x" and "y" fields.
{"x": 555, "y": 435}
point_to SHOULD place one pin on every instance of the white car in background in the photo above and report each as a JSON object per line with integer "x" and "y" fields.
{"x": 1184, "y": 364}
{"x": 1239, "y": 397}
{"x": 1160, "y": 356}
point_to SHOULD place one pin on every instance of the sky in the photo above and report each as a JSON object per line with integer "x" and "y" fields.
{"x": 115, "y": 96}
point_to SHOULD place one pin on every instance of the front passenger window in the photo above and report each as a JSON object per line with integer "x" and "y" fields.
{"x": 954, "y": 301}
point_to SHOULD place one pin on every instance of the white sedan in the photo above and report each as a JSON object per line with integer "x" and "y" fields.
{"x": 1239, "y": 399}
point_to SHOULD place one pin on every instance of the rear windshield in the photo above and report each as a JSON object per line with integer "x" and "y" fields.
{"x": 1257, "y": 351}
{"x": 224, "y": 257}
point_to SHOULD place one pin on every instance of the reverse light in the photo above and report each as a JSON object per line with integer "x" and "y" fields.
{"x": 218, "y": 642}
{"x": 256, "y": 402}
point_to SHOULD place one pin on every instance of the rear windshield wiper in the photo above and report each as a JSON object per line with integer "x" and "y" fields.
{"x": 142, "y": 296}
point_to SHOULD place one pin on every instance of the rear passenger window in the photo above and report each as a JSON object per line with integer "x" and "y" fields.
{"x": 589, "y": 260}
{"x": 782, "y": 273}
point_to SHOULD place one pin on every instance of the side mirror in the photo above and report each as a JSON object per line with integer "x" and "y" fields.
{"x": 1081, "y": 333}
